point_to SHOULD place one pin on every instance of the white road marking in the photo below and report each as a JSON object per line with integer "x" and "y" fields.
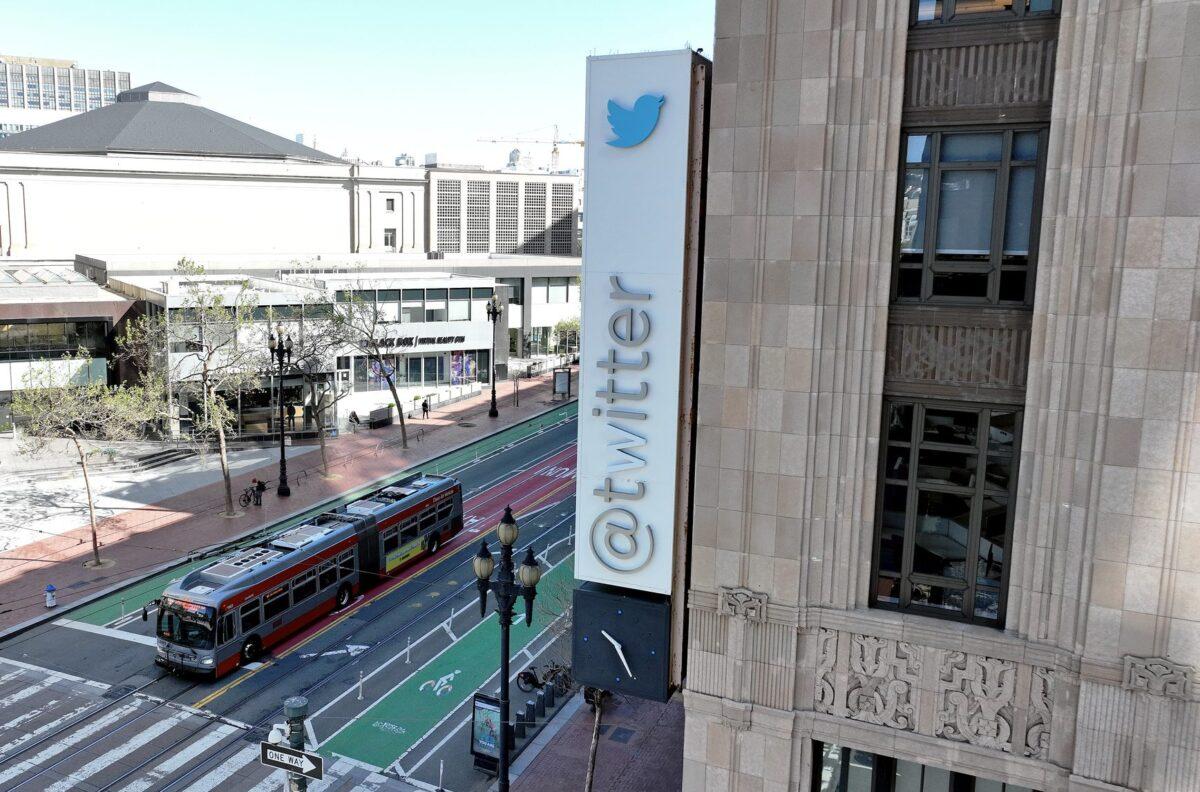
{"x": 99, "y": 725}
{"x": 146, "y": 640}
{"x": 26, "y": 692}
{"x": 29, "y": 714}
{"x": 272, "y": 783}
{"x": 40, "y": 669}
{"x": 223, "y": 771}
{"x": 180, "y": 759}
{"x": 8, "y": 747}
{"x": 123, "y": 750}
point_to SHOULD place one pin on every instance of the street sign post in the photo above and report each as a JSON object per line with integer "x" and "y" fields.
{"x": 282, "y": 758}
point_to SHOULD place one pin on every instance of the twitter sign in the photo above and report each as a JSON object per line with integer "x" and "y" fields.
{"x": 643, "y": 123}
{"x": 633, "y": 125}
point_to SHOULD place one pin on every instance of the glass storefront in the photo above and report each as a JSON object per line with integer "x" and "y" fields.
{"x": 411, "y": 371}
{"x": 837, "y": 768}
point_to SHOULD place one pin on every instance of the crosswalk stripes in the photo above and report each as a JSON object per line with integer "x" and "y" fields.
{"x": 127, "y": 747}
{"x": 225, "y": 770}
{"x": 177, "y": 761}
{"x": 68, "y": 741}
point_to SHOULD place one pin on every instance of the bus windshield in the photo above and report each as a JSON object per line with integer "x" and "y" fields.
{"x": 186, "y": 624}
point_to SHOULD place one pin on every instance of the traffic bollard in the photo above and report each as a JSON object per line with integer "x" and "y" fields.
{"x": 549, "y": 691}
{"x": 360, "y": 683}
{"x": 541, "y": 704}
{"x": 518, "y": 730}
{"x": 530, "y": 716}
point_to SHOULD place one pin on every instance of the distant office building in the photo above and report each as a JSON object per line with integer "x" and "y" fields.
{"x": 488, "y": 212}
{"x": 406, "y": 161}
{"x": 37, "y": 91}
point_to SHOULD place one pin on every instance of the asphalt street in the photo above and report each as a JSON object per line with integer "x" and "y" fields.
{"x": 389, "y": 678}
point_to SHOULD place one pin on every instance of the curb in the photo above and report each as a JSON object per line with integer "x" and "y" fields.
{"x": 203, "y": 552}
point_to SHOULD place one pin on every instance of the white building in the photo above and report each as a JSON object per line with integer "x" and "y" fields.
{"x": 156, "y": 172}
{"x": 37, "y": 91}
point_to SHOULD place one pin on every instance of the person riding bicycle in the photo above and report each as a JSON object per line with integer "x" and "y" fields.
{"x": 260, "y": 487}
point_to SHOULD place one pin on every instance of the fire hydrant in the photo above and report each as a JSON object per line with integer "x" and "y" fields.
{"x": 50, "y": 601}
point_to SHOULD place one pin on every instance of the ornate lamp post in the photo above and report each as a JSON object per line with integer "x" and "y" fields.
{"x": 506, "y": 589}
{"x": 495, "y": 309}
{"x": 281, "y": 351}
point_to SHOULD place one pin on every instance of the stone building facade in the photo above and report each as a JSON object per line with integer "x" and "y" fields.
{"x": 946, "y": 521}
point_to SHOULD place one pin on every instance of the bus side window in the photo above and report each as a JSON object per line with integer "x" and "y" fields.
{"x": 251, "y": 616}
{"x": 328, "y": 575}
{"x": 444, "y": 510}
{"x": 391, "y": 540}
{"x": 346, "y": 563}
{"x": 274, "y": 606}
{"x": 225, "y": 629}
{"x": 408, "y": 531}
{"x": 428, "y": 519}
{"x": 304, "y": 586}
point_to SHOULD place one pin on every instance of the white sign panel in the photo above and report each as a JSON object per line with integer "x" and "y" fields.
{"x": 637, "y": 128}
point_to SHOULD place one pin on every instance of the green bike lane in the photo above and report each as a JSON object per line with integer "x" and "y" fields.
{"x": 428, "y": 695}
{"x": 120, "y": 604}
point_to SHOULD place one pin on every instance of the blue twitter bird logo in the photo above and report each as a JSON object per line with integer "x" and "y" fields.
{"x": 633, "y": 126}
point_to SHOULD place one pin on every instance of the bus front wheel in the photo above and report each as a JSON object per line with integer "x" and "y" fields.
{"x": 343, "y": 597}
{"x": 433, "y": 543}
{"x": 251, "y": 649}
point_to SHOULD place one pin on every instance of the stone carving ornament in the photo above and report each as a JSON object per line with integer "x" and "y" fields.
{"x": 883, "y": 674}
{"x": 1041, "y": 701}
{"x": 826, "y": 697}
{"x": 975, "y": 701}
{"x": 1157, "y": 675}
{"x": 743, "y": 603}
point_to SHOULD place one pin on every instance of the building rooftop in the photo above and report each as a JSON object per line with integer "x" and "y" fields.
{"x": 36, "y": 283}
{"x": 157, "y": 118}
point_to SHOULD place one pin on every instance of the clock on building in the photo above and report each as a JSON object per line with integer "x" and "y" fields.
{"x": 622, "y": 640}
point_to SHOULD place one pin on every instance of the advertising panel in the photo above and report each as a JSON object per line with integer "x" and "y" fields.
{"x": 638, "y": 121}
{"x": 485, "y": 726}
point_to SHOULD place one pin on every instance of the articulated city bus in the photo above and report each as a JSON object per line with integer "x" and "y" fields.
{"x": 227, "y": 613}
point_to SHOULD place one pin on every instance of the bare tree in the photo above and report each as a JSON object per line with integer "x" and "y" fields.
{"x": 370, "y": 331}
{"x": 210, "y": 350}
{"x": 62, "y": 399}
{"x": 321, "y": 333}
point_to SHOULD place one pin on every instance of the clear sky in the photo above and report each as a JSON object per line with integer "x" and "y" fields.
{"x": 375, "y": 77}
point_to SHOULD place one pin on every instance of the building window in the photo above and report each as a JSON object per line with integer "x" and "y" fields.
{"x": 435, "y": 305}
{"x": 479, "y": 216}
{"x": 449, "y": 216}
{"x": 460, "y": 305}
{"x": 389, "y": 239}
{"x": 412, "y": 305}
{"x": 944, "y": 516}
{"x": 937, "y": 12}
{"x": 556, "y": 291}
{"x": 533, "y": 229}
{"x": 516, "y": 292}
{"x": 968, "y": 217}
{"x": 390, "y": 204}
{"x": 838, "y": 768}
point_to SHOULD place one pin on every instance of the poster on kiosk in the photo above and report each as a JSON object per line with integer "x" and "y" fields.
{"x": 638, "y": 124}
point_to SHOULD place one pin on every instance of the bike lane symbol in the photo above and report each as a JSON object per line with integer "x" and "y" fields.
{"x": 441, "y": 684}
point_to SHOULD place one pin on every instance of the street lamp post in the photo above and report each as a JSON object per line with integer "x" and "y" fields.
{"x": 494, "y": 310}
{"x": 506, "y": 588}
{"x": 281, "y": 352}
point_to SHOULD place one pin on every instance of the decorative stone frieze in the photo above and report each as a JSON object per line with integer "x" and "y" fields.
{"x": 743, "y": 603}
{"x": 882, "y": 676}
{"x": 1041, "y": 704}
{"x": 825, "y": 697}
{"x": 975, "y": 701}
{"x": 1157, "y": 675}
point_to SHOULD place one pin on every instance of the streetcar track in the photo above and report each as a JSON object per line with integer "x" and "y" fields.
{"x": 210, "y": 719}
{"x": 220, "y": 753}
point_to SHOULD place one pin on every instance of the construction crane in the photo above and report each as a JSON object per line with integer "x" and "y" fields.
{"x": 556, "y": 141}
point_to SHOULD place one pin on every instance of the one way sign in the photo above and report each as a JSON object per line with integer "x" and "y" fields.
{"x": 283, "y": 758}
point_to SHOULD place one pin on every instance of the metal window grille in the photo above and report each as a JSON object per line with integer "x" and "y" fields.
{"x": 507, "y": 198}
{"x": 562, "y": 210}
{"x": 533, "y": 238}
{"x": 479, "y": 216}
{"x": 449, "y": 215}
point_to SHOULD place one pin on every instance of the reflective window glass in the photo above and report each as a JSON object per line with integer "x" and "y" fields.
{"x": 1019, "y": 211}
{"x": 912, "y": 212}
{"x": 919, "y": 148}
{"x": 972, "y": 147}
{"x": 943, "y": 527}
{"x": 965, "y": 213}
{"x": 1025, "y": 146}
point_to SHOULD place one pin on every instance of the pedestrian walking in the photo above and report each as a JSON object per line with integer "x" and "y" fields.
{"x": 291, "y": 413}
{"x": 425, "y": 409}
{"x": 259, "y": 488}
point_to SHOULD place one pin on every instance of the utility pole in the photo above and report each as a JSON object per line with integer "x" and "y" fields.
{"x": 296, "y": 709}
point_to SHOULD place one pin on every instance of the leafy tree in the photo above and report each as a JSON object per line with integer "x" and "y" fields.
{"x": 209, "y": 352}
{"x": 62, "y": 400}
{"x": 566, "y": 332}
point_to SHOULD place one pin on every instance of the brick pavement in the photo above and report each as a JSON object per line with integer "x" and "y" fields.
{"x": 640, "y": 750}
{"x": 139, "y": 540}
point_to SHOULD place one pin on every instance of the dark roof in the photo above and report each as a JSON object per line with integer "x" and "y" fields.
{"x": 169, "y": 122}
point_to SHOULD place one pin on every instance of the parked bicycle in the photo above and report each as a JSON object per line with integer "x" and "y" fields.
{"x": 554, "y": 674}
{"x": 246, "y": 496}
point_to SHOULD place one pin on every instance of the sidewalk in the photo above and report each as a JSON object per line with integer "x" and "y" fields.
{"x": 139, "y": 540}
{"x": 640, "y": 750}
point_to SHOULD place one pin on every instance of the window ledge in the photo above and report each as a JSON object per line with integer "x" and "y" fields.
{"x": 944, "y": 634}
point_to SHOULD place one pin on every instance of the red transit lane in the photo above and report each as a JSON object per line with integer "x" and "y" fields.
{"x": 543, "y": 484}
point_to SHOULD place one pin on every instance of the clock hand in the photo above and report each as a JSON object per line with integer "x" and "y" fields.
{"x": 620, "y": 653}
